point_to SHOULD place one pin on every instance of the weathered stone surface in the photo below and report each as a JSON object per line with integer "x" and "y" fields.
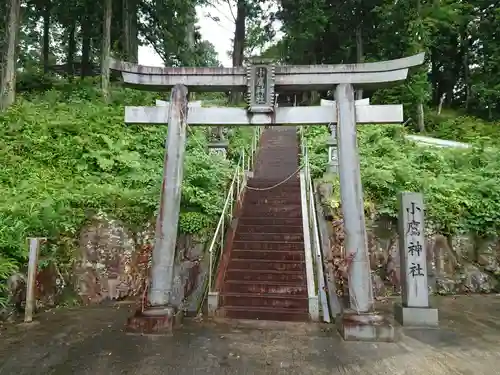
{"x": 457, "y": 265}
{"x": 103, "y": 268}
{"x": 112, "y": 263}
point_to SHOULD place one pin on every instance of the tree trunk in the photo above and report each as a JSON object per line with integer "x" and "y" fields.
{"x": 465, "y": 52}
{"x": 359, "y": 55}
{"x": 239, "y": 41}
{"x": 46, "y": 36}
{"x": 190, "y": 42}
{"x": 8, "y": 88}
{"x": 134, "y": 37}
{"x": 440, "y": 106}
{"x": 86, "y": 39}
{"x": 420, "y": 117}
{"x": 420, "y": 105}
{"x": 71, "y": 51}
{"x": 106, "y": 49}
{"x": 130, "y": 30}
{"x": 436, "y": 94}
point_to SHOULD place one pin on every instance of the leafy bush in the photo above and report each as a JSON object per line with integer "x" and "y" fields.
{"x": 65, "y": 156}
{"x": 453, "y": 126}
{"x": 461, "y": 187}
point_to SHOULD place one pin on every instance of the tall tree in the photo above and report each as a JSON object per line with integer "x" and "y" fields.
{"x": 106, "y": 48}
{"x": 8, "y": 82}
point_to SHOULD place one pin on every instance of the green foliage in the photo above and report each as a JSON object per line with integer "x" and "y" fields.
{"x": 461, "y": 187}
{"x": 241, "y": 139}
{"x": 463, "y": 128}
{"x": 66, "y": 156}
{"x": 461, "y": 39}
{"x": 7, "y": 268}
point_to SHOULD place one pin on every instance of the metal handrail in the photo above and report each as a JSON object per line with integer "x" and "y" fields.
{"x": 233, "y": 197}
{"x": 317, "y": 254}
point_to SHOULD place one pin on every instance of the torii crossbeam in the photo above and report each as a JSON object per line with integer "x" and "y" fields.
{"x": 261, "y": 81}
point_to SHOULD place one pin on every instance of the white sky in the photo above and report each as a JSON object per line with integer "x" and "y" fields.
{"x": 218, "y": 33}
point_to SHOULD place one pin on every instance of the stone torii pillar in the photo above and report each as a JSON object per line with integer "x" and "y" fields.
{"x": 160, "y": 314}
{"x": 333, "y": 158}
{"x": 262, "y": 81}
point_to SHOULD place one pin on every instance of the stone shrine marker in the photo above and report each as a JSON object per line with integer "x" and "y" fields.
{"x": 262, "y": 82}
{"x": 415, "y": 309}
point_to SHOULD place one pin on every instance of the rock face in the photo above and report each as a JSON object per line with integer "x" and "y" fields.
{"x": 462, "y": 264}
{"x": 112, "y": 263}
{"x": 107, "y": 267}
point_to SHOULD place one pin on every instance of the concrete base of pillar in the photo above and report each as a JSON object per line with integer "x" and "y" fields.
{"x": 366, "y": 327}
{"x": 314, "y": 308}
{"x": 154, "y": 321}
{"x": 418, "y": 317}
{"x": 212, "y": 303}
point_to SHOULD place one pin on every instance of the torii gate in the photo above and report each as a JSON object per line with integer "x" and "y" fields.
{"x": 261, "y": 81}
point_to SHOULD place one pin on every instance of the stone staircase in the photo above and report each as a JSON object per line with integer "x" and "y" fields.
{"x": 265, "y": 275}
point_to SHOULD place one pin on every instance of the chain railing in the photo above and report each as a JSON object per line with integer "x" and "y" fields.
{"x": 233, "y": 199}
{"x": 312, "y": 223}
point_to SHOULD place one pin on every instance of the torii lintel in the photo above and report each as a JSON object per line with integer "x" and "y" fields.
{"x": 286, "y": 78}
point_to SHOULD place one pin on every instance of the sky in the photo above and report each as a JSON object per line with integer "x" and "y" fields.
{"x": 217, "y": 33}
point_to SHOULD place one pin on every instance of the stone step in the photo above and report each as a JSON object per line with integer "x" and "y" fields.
{"x": 266, "y": 265}
{"x": 273, "y": 255}
{"x": 286, "y": 200}
{"x": 279, "y": 159}
{"x": 269, "y": 228}
{"x": 276, "y": 176}
{"x": 273, "y": 237}
{"x": 267, "y": 301}
{"x": 272, "y": 142}
{"x": 260, "y": 313}
{"x": 270, "y": 276}
{"x": 290, "y": 185}
{"x": 280, "y": 149}
{"x": 269, "y": 189}
{"x": 265, "y": 276}
{"x": 283, "y": 154}
{"x": 281, "y": 221}
{"x": 269, "y": 246}
{"x": 291, "y": 211}
{"x": 287, "y": 166}
{"x": 252, "y": 195}
{"x": 280, "y": 138}
{"x": 265, "y": 287}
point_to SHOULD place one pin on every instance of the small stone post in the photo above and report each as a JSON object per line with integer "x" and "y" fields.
{"x": 160, "y": 314}
{"x": 415, "y": 309}
{"x": 31, "y": 283}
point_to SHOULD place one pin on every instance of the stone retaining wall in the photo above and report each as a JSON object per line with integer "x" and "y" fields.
{"x": 112, "y": 263}
{"x": 458, "y": 265}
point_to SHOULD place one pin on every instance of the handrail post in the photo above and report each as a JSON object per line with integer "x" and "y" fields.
{"x": 213, "y": 296}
